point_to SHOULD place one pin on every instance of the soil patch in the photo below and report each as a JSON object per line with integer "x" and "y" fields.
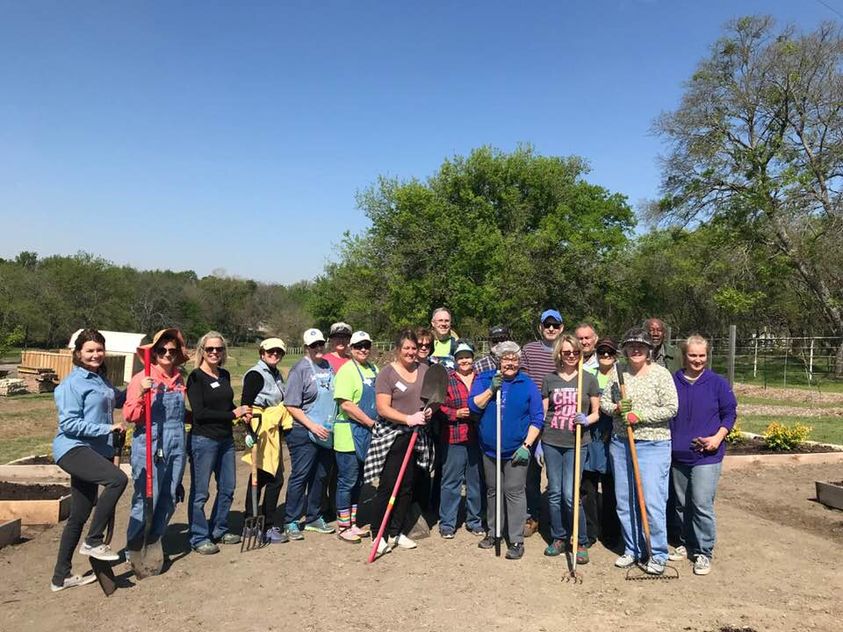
{"x": 18, "y": 491}
{"x": 756, "y": 445}
{"x": 37, "y": 460}
{"x": 785, "y": 394}
{"x": 789, "y": 411}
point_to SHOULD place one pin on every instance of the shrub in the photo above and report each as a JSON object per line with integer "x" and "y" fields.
{"x": 735, "y": 435}
{"x": 782, "y": 438}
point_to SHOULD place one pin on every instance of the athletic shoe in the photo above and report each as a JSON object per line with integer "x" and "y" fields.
{"x": 206, "y": 548}
{"x": 347, "y": 535}
{"x": 702, "y": 565}
{"x": 293, "y": 532}
{"x": 276, "y": 536}
{"x": 402, "y": 542}
{"x": 229, "y": 538}
{"x": 625, "y": 561}
{"x": 101, "y": 552}
{"x": 486, "y": 543}
{"x": 582, "y": 554}
{"x": 73, "y": 581}
{"x": 653, "y": 568}
{"x": 554, "y": 548}
{"x": 678, "y": 554}
{"x": 319, "y": 526}
{"x": 515, "y": 551}
{"x": 447, "y": 534}
{"x": 478, "y": 531}
{"x": 384, "y": 547}
{"x": 363, "y": 532}
{"x": 530, "y": 527}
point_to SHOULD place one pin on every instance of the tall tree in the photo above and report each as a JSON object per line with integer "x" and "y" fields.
{"x": 757, "y": 143}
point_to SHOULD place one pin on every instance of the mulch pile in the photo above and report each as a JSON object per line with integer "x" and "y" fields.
{"x": 755, "y": 445}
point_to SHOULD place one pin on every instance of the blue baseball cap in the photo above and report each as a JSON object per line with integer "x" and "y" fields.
{"x": 551, "y": 314}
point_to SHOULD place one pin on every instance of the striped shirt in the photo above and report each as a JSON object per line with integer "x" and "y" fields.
{"x": 537, "y": 361}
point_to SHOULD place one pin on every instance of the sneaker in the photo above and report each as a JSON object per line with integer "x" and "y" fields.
{"x": 625, "y": 561}
{"x": 73, "y": 581}
{"x": 515, "y": 551}
{"x": 101, "y": 552}
{"x": 653, "y": 568}
{"x": 206, "y": 548}
{"x": 582, "y": 554}
{"x": 363, "y": 532}
{"x": 293, "y": 532}
{"x": 402, "y": 542}
{"x": 347, "y": 535}
{"x": 276, "y": 536}
{"x": 229, "y": 538}
{"x": 702, "y": 565}
{"x": 486, "y": 543}
{"x": 447, "y": 534}
{"x": 319, "y": 526}
{"x": 678, "y": 554}
{"x": 530, "y": 527}
{"x": 478, "y": 531}
{"x": 554, "y": 548}
{"x": 384, "y": 547}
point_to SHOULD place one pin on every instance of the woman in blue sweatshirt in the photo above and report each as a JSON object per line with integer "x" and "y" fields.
{"x": 707, "y": 412}
{"x": 522, "y": 418}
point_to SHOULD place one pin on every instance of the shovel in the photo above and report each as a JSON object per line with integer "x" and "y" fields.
{"x": 433, "y": 391}
{"x": 573, "y": 575}
{"x": 253, "y": 528}
{"x": 102, "y": 569}
{"x": 149, "y": 560}
{"x": 498, "y": 491}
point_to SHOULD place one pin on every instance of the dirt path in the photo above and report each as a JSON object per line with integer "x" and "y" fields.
{"x": 776, "y": 568}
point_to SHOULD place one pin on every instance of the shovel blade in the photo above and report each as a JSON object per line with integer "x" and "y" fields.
{"x": 105, "y": 576}
{"x": 148, "y": 560}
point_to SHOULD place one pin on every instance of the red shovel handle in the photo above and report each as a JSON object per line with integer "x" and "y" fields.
{"x": 147, "y": 409}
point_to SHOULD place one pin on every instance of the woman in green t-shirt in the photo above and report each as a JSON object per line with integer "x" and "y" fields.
{"x": 354, "y": 391}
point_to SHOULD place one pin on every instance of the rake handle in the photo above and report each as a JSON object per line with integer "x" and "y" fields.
{"x": 575, "y": 527}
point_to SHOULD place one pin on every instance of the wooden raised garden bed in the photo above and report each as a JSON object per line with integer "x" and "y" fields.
{"x": 34, "y": 504}
{"x": 753, "y": 452}
{"x": 41, "y": 469}
{"x": 830, "y": 494}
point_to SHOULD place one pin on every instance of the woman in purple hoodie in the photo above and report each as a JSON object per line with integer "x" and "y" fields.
{"x": 707, "y": 411}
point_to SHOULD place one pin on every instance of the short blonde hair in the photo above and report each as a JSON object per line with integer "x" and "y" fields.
{"x": 199, "y": 355}
{"x": 557, "y": 348}
{"x": 694, "y": 339}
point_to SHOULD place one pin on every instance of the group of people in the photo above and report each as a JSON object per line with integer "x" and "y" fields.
{"x": 337, "y": 411}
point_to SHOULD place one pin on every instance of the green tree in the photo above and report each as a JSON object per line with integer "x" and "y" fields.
{"x": 757, "y": 144}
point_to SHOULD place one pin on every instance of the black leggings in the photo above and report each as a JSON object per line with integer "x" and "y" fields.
{"x": 600, "y": 509}
{"x": 387, "y": 481}
{"x": 271, "y": 486}
{"x": 87, "y": 469}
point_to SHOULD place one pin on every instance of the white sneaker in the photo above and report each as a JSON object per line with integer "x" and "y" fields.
{"x": 702, "y": 565}
{"x": 384, "y": 547}
{"x": 654, "y": 568}
{"x": 679, "y": 553}
{"x": 402, "y": 542}
{"x": 102, "y": 552}
{"x": 625, "y": 561}
{"x": 73, "y": 581}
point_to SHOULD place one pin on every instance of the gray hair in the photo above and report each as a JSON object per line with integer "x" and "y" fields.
{"x": 505, "y": 348}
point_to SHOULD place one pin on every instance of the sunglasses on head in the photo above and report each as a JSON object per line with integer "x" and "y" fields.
{"x": 551, "y": 325}
{"x": 362, "y": 345}
{"x": 214, "y": 349}
{"x": 162, "y": 351}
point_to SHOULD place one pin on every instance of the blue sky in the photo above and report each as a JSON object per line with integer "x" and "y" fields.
{"x": 233, "y": 135}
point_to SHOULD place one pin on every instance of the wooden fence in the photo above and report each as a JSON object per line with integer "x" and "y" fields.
{"x": 61, "y": 362}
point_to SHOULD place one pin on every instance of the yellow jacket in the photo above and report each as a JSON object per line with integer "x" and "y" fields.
{"x": 269, "y": 437}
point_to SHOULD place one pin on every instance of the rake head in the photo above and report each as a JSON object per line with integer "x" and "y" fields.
{"x": 639, "y": 573}
{"x": 572, "y": 577}
{"x": 253, "y": 534}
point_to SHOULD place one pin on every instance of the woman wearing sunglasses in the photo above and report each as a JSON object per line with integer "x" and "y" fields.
{"x": 354, "y": 391}
{"x": 310, "y": 400}
{"x": 211, "y": 444}
{"x": 559, "y": 400}
{"x": 169, "y": 449}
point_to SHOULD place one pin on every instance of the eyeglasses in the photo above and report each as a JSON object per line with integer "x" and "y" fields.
{"x": 162, "y": 351}
{"x": 275, "y": 352}
{"x": 318, "y": 343}
{"x": 551, "y": 325}
{"x": 214, "y": 349}
{"x": 362, "y": 345}
{"x": 571, "y": 354}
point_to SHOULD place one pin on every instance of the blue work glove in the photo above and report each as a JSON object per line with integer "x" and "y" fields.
{"x": 538, "y": 454}
{"x": 581, "y": 419}
{"x": 521, "y": 456}
{"x": 496, "y": 382}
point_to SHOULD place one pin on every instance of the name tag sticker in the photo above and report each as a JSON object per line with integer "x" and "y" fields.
{"x": 401, "y": 386}
{"x": 215, "y": 384}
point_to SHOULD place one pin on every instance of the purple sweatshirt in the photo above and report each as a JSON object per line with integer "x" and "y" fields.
{"x": 704, "y": 407}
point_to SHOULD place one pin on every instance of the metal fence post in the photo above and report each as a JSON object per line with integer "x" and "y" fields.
{"x": 786, "y": 354}
{"x": 755, "y": 360}
{"x": 733, "y": 334}
{"x": 811, "y": 363}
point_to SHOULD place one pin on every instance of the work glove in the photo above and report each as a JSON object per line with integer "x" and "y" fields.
{"x": 495, "y": 384}
{"x": 632, "y": 418}
{"x": 249, "y": 441}
{"x": 625, "y": 405}
{"x": 179, "y": 493}
{"x": 538, "y": 454}
{"x": 521, "y": 456}
{"x": 581, "y": 419}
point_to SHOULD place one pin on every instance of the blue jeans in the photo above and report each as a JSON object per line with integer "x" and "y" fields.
{"x": 209, "y": 456}
{"x": 460, "y": 463}
{"x": 309, "y": 465}
{"x": 694, "y": 487}
{"x": 654, "y": 464}
{"x": 559, "y": 465}
{"x": 349, "y": 479}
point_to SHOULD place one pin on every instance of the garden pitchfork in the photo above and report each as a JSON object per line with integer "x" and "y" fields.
{"x": 253, "y": 528}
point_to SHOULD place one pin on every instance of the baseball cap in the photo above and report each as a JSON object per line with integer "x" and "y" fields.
{"x": 312, "y": 335}
{"x": 273, "y": 343}
{"x": 340, "y": 329}
{"x": 551, "y": 314}
{"x": 463, "y": 347}
{"x": 499, "y": 333}
{"x": 359, "y": 336}
{"x": 606, "y": 343}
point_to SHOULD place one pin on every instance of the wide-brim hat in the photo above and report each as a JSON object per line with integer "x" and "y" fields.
{"x": 180, "y": 358}
{"x": 637, "y": 334}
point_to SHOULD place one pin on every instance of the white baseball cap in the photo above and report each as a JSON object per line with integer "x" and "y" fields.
{"x": 312, "y": 335}
{"x": 359, "y": 336}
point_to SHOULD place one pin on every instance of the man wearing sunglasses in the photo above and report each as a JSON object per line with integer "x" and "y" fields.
{"x": 537, "y": 361}
{"x": 339, "y": 337}
{"x": 497, "y": 334}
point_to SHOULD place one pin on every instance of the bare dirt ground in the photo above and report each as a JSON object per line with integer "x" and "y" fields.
{"x": 788, "y": 394}
{"x": 776, "y": 568}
